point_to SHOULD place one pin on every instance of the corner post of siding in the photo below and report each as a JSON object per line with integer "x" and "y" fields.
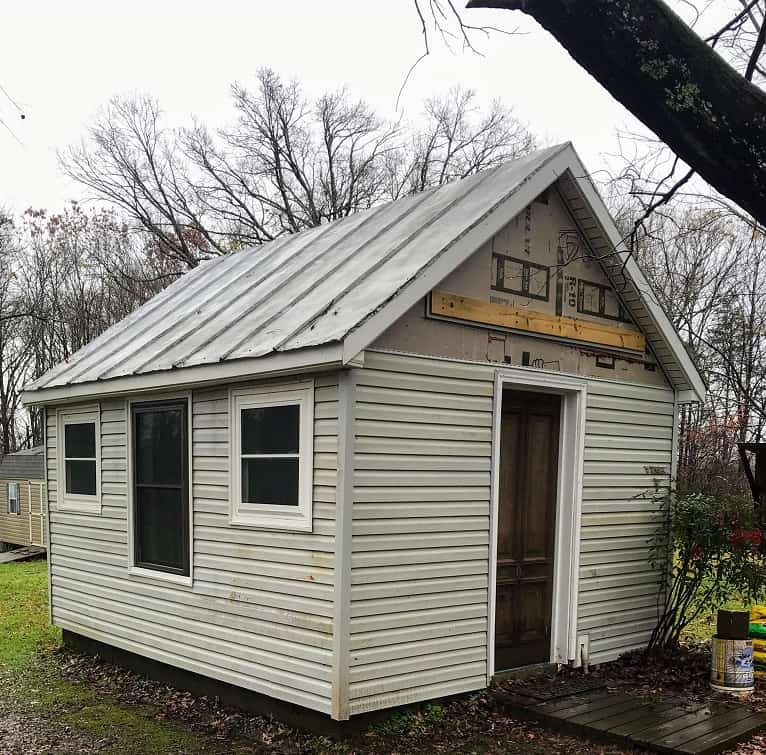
{"x": 45, "y": 510}
{"x": 344, "y": 499}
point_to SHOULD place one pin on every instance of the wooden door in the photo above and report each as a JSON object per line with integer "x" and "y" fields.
{"x": 529, "y": 460}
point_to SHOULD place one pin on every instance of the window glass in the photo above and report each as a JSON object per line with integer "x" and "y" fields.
{"x": 159, "y": 448}
{"x": 160, "y": 487}
{"x": 80, "y": 440}
{"x": 80, "y": 476}
{"x": 160, "y": 531}
{"x": 270, "y": 430}
{"x": 80, "y": 458}
{"x": 270, "y": 481}
{"x": 13, "y": 498}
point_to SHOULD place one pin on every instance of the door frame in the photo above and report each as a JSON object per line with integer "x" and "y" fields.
{"x": 566, "y": 564}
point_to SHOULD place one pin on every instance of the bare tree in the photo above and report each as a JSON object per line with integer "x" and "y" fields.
{"x": 286, "y": 163}
{"x": 455, "y": 139}
{"x": 131, "y": 161}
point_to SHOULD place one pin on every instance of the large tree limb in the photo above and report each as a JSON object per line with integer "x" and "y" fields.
{"x": 655, "y": 65}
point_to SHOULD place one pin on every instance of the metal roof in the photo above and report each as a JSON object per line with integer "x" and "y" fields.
{"x": 28, "y": 464}
{"x": 295, "y": 297}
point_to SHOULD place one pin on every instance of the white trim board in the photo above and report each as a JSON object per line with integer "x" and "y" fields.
{"x": 573, "y": 392}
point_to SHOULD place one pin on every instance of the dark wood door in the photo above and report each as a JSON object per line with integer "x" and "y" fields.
{"x": 529, "y": 451}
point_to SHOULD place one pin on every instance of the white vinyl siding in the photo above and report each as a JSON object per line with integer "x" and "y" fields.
{"x": 420, "y": 531}
{"x": 628, "y": 448}
{"x": 420, "y": 563}
{"x": 259, "y": 613}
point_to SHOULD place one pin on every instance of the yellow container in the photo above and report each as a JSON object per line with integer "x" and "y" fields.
{"x": 731, "y": 668}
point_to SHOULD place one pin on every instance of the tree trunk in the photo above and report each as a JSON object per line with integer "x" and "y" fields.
{"x": 655, "y": 65}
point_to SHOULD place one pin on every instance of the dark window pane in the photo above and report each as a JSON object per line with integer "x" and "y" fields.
{"x": 81, "y": 477}
{"x": 159, "y": 457}
{"x": 270, "y": 430}
{"x": 270, "y": 481}
{"x": 161, "y": 528}
{"x": 80, "y": 440}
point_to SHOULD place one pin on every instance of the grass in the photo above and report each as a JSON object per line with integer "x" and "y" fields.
{"x": 24, "y": 628}
{"x": 33, "y": 687}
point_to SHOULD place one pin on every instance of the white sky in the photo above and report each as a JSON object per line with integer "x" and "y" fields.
{"x": 62, "y": 61}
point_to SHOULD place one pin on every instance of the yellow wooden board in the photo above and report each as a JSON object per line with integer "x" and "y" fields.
{"x": 477, "y": 311}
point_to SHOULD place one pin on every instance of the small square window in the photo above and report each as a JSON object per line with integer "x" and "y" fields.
{"x": 79, "y": 484}
{"x": 14, "y": 503}
{"x": 272, "y": 462}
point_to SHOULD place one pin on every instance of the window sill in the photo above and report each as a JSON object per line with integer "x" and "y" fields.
{"x": 160, "y": 576}
{"x": 268, "y": 522}
{"x": 78, "y": 506}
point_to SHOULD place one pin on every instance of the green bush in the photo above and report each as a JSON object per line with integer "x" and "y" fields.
{"x": 709, "y": 549}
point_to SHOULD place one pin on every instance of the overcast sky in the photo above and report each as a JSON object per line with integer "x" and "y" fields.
{"x": 62, "y": 61}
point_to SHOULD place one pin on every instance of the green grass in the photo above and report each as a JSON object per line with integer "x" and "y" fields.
{"x": 32, "y": 685}
{"x": 24, "y": 628}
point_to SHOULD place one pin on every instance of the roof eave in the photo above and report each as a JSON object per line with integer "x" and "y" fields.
{"x": 315, "y": 359}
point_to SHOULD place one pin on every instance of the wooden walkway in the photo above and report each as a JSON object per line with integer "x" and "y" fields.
{"x": 640, "y": 723}
{"x": 22, "y": 554}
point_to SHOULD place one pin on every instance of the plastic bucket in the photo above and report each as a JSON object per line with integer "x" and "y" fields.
{"x": 731, "y": 668}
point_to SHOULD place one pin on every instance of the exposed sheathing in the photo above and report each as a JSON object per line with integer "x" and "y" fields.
{"x": 259, "y": 614}
{"x": 420, "y": 530}
{"x": 420, "y": 565}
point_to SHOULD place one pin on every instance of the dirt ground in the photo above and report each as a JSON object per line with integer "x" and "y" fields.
{"x": 472, "y": 724}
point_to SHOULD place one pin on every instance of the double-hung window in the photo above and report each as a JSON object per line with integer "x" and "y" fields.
{"x": 272, "y": 456}
{"x": 14, "y": 505}
{"x": 79, "y": 483}
{"x": 160, "y": 486}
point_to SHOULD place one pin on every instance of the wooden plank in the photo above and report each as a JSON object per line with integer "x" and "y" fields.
{"x": 638, "y": 712}
{"x": 651, "y": 717}
{"x": 725, "y": 738}
{"x": 550, "y": 707}
{"x": 653, "y": 733}
{"x": 590, "y": 706}
{"x": 714, "y": 724}
{"x": 474, "y": 310}
{"x": 591, "y": 719}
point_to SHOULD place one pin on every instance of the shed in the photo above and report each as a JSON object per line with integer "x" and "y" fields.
{"x": 22, "y": 495}
{"x": 381, "y": 460}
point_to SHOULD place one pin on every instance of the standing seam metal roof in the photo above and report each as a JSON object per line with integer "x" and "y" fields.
{"x": 298, "y": 291}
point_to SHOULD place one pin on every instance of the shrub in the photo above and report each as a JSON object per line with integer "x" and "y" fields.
{"x": 709, "y": 550}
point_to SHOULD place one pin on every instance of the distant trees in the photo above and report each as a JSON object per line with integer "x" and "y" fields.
{"x": 64, "y": 278}
{"x": 708, "y": 268}
{"x": 287, "y": 162}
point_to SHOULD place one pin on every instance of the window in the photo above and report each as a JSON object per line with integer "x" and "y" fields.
{"x": 160, "y": 486}
{"x": 14, "y": 507}
{"x": 272, "y": 449}
{"x": 79, "y": 484}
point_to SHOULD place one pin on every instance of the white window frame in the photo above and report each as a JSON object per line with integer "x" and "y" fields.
{"x": 89, "y": 504}
{"x": 16, "y": 498}
{"x": 298, "y": 518}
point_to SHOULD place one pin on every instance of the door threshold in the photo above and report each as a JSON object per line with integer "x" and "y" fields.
{"x": 527, "y": 672}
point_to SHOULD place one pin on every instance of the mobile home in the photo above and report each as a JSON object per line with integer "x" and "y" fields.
{"x": 381, "y": 460}
{"x": 22, "y": 498}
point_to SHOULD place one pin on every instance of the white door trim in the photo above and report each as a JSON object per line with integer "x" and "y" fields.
{"x": 574, "y": 393}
